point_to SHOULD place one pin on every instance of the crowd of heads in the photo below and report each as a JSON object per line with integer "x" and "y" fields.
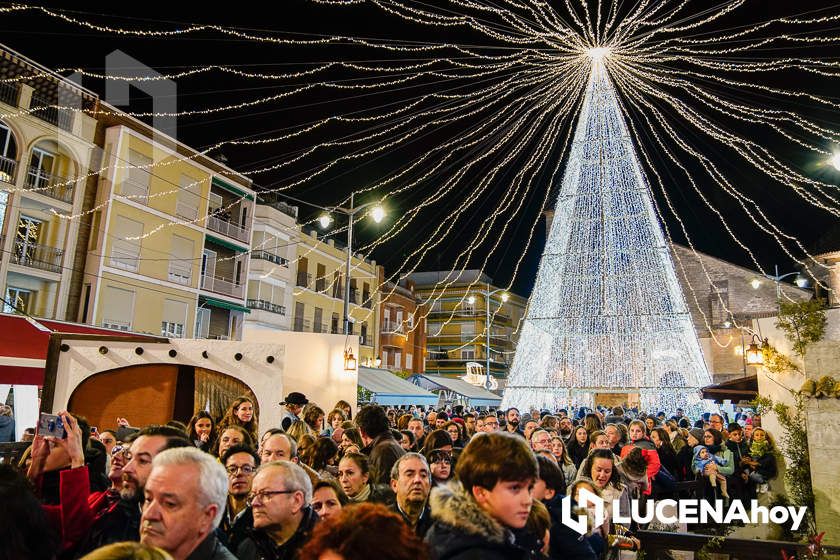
{"x": 410, "y": 476}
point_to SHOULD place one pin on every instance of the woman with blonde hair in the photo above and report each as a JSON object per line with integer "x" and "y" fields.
{"x": 128, "y": 551}
{"x": 298, "y": 429}
{"x": 242, "y": 413}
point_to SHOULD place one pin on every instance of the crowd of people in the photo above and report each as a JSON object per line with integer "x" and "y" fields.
{"x": 408, "y": 483}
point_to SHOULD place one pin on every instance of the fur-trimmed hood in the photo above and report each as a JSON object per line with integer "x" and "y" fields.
{"x": 453, "y": 506}
{"x": 462, "y": 531}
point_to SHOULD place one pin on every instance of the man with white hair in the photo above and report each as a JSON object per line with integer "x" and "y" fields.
{"x": 280, "y": 499}
{"x": 185, "y": 497}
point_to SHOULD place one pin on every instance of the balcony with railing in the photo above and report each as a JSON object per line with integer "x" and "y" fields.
{"x": 354, "y": 293}
{"x": 392, "y": 327}
{"x": 320, "y": 328}
{"x": 303, "y": 279}
{"x": 366, "y": 300}
{"x": 225, "y": 227}
{"x": 301, "y": 325}
{"x": 321, "y": 285}
{"x": 270, "y": 257}
{"x": 41, "y": 257}
{"x": 9, "y": 93}
{"x": 8, "y": 167}
{"x": 222, "y": 286}
{"x": 48, "y": 112}
{"x": 49, "y": 184}
{"x": 263, "y": 305}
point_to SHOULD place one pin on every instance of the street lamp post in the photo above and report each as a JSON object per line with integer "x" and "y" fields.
{"x": 487, "y": 295}
{"x": 377, "y": 213}
{"x": 777, "y": 278}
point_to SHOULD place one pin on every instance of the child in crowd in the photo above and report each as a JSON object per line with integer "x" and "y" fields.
{"x": 476, "y": 516}
{"x": 702, "y": 457}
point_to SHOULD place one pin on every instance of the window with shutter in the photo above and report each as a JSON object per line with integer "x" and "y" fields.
{"x": 117, "y": 307}
{"x": 181, "y": 262}
{"x": 125, "y": 249}
{"x": 137, "y": 179}
{"x": 189, "y": 195}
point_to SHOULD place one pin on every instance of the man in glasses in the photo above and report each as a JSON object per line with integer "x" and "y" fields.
{"x": 280, "y": 499}
{"x": 241, "y": 464}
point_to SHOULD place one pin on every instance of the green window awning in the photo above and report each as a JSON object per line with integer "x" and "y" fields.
{"x": 221, "y": 304}
{"x": 230, "y": 188}
{"x": 225, "y": 243}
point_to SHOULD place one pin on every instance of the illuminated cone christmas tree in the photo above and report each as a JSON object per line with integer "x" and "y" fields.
{"x": 607, "y": 315}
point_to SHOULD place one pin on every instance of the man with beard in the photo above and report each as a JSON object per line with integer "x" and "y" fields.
{"x": 512, "y": 416}
{"x": 121, "y": 520}
{"x": 411, "y": 481}
{"x": 566, "y": 429}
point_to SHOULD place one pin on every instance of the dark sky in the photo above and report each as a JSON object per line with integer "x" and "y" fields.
{"x": 57, "y": 44}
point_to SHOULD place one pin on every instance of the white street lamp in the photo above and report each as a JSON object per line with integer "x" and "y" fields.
{"x": 377, "y": 213}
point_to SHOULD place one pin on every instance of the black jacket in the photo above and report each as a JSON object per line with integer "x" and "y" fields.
{"x": 259, "y": 546}
{"x": 462, "y": 531}
{"x": 383, "y": 452}
{"x": 211, "y": 549}
{"x": 423, "y": 524}
{"x": 121, "y": 523}
{"x": 564, "y": 542}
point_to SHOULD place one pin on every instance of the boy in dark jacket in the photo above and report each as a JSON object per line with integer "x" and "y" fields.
{"x": 475, "y": 517}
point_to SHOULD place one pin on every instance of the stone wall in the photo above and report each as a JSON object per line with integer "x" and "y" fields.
{"x": 823, "y": 416}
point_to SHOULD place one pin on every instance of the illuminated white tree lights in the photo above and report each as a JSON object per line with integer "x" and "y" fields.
{"x": 607, "y": 313}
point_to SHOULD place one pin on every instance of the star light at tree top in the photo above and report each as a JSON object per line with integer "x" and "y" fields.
{"x": 607, "y": 314}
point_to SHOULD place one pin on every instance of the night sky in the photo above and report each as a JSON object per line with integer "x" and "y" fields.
{"x": 56, "y": 44}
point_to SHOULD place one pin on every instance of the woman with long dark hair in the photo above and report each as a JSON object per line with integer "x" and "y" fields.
{"x": 667, "y": 454}
{"x": 202, "y": 430}
{"x": 578, "y": 447}
{"x": 242, "y": 413}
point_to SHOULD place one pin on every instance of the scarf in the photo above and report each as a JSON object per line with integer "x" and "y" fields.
{"x": 713, "y": 449}
{"x": 363, "y": 495}
{"x": 759, "y": 449}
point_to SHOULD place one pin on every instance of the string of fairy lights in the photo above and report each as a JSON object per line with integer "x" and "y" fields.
{"x": 506, "y": 111}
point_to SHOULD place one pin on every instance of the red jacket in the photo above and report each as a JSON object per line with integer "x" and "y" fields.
{"x": 651, "y": 458}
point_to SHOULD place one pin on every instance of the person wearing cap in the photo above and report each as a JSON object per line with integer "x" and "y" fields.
{"x": 293, "y": 404}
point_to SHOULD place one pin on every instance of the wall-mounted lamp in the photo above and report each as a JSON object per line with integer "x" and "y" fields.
{"x": 103, "y": 350}
{"x": 269, "y": 359}
{"x": 754, "y": 355}
{"x": 173, "y": 353}
{"x": 349, "y": 361}
{"x": 237, "y": 357}
{"x": 205, "y": 355}
{"x": 139, "y": 350}
{"x": 64, "y": 347}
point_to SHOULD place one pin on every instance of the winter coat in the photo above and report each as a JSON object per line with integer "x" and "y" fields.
{"x": 211, "y": 549}
{"x": 463, "y": 531}
{"x": 651, "y": 458}
{"x": 383, "y": 452}
{"x": 259, "y": 546}
{"x": 564, "y": 542}
{"x": 7, "y": 429}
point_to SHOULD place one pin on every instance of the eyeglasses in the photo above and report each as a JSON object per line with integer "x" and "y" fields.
{"x": 266, "y": 495}
{"x": 246, "y": 469}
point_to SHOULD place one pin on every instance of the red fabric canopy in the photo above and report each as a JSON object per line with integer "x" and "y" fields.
{"x": 24, "y": 343}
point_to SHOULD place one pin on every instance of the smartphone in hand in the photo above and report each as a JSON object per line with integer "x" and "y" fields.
{"x": 51, "y": 425}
